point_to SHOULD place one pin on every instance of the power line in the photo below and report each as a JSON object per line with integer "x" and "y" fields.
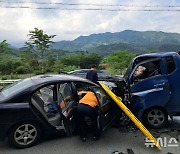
{"x": 89, "y": 9}
{"x": 93, "y": 7}
{"x": 87, "y": 4}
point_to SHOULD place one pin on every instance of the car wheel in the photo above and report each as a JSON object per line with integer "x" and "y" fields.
{"x": 24, "y": 135}
{"x": 155, "y": 118}
{"x": 124, "y": 120}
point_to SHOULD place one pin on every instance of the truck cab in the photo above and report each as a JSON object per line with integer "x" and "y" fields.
{"x": 155, "y": 95}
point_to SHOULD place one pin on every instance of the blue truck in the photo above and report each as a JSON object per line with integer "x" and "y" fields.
{"x": 156, "y": 95}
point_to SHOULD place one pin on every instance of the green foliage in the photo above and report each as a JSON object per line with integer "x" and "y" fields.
{"x": 70, "y": 59}
{"x": 119, "y": 61}
{"x": 11, "y": 76}
{"x": 59, "y": 61}
{"x": 70, "y": 68}
{"x": 15, "y": 76}
{"x": 8, "y": 63}
{"x": 37, "y": 57}
{"x": 50, "y": 61}
{"x": 22, "y": 69}
{"x": 82, "y": 60}
{"x": 134, "y": 41}
{"x": 39, "y": 42}
{"x": 3, "y": 46}
{"x": 58, "y": 67}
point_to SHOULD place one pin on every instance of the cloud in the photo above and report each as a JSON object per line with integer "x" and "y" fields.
{"x": 69, "y": 24}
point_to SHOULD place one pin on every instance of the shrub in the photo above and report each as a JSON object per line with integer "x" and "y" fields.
{"x": 21, "y": 70}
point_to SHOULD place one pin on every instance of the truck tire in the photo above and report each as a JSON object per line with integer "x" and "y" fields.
{"x": 155, "y": 118}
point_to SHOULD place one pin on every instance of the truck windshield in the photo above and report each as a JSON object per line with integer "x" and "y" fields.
{"x": 128, "y": 72}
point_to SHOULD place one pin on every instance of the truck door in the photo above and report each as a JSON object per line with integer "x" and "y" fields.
{"x": 173, "y": 73}
{"x": 151, "y": 90}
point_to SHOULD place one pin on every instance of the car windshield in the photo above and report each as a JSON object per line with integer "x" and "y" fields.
{"x": 16, "y": 87}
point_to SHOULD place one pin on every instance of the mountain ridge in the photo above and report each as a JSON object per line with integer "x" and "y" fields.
{"x": 144, "y": 39}
{"x": 130, "y": 40}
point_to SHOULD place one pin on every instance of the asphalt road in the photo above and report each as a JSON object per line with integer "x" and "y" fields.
{"x": 114, "y": 139}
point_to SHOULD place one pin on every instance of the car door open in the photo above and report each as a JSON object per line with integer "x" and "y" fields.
{"x": 67, "y": 104}
{"x": 108, "y": 111}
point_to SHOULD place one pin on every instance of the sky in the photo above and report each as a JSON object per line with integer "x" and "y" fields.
{"x": 69, "y": 19}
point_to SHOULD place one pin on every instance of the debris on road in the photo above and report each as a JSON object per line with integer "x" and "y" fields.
{"x": 130, "y": 151}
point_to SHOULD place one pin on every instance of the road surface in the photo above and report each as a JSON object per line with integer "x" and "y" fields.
{"x": 114, "y": 139}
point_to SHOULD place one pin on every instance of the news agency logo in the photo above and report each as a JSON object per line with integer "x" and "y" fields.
{"x": 163, "y": 142}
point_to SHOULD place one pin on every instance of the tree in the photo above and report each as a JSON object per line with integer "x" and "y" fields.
{"x": 29, "y": 59}
{"x": 8, "y": 64}
{"x": 8, "y": 60}
{"x": 120, "y": 60}
{"x": 39, "y": 42}
{"x": 3, "y": 46}
{"x": 82, "y": 60}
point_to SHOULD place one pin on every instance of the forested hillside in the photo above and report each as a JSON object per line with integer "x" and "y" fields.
{"x": 134, "y": 41}
{"x": 110, "y": 51}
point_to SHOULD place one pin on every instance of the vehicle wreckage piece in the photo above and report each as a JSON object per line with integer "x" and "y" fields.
{"x": 143, "y": 129}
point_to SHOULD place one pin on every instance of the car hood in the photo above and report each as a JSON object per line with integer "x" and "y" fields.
{"x": 109, "y": 78}
{"x": 120, "y": 104}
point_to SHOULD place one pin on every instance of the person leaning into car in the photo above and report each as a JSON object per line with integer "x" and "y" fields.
{"x": 87, "y": 107}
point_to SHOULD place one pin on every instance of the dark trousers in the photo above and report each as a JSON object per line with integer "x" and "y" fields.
{"x": 84, "y": 111}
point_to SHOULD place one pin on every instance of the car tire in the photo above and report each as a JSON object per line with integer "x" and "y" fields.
{"x": 24, "y": 135}
{"x": 124, "y": 120}
{"x": 155, "y": 118}
{"x": 121, "y": 120}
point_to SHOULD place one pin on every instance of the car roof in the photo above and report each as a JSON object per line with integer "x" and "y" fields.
{"x": 56, "y": 77}
{"x": 85, "y": 70}
{"x": 154, "y": 55}
{"x": 28, "y": 84}
{"x": 78, "y": 70}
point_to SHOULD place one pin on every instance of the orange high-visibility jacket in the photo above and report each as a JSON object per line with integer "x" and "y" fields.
{"x": 89, "y": 99}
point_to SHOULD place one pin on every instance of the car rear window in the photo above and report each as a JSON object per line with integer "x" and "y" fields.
{"x": 16, "y": 87}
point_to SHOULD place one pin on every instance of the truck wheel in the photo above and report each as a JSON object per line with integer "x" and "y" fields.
{"x": 155, "y": 118}
{"x": 24, "y": 135}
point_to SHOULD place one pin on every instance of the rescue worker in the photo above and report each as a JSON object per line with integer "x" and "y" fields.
{"x": 87, "y": 107}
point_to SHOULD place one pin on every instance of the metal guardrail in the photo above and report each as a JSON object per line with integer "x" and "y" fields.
{"x": 8, "y": 81}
